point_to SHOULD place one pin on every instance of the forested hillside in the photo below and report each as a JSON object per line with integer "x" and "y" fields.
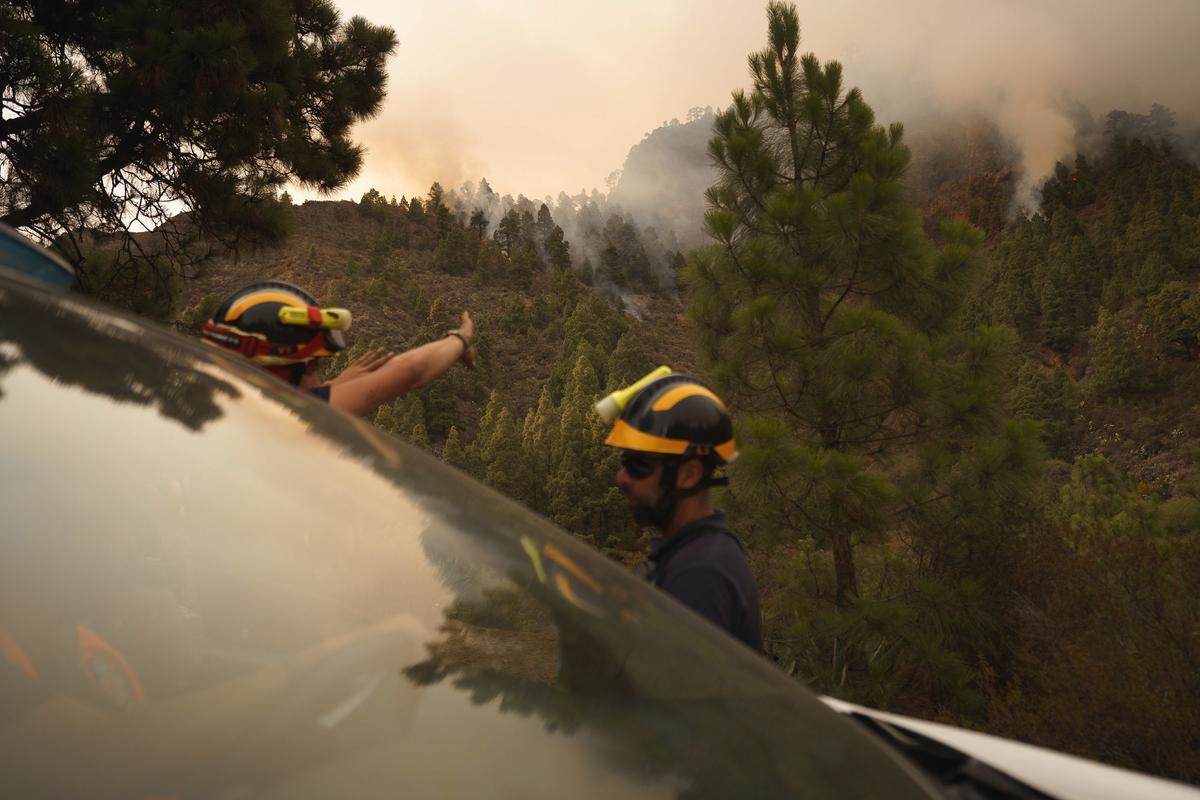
{"x": 1102, "y": 287}
{"x": 969, "y": 483}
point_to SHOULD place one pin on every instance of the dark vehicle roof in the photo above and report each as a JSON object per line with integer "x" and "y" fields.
{"x": 213, "y": 586}
{"x": 23, "y": 256}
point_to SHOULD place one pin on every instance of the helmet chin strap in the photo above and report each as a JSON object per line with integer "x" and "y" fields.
{"x": 663, "y": 511}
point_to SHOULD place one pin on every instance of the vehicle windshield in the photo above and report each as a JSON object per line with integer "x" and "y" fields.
{"x": 212, "y": 586}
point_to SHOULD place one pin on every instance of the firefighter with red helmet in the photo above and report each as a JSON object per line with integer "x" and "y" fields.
{"x": 285, "y": 331}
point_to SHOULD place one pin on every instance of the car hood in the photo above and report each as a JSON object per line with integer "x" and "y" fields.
{"x": 213, "y": 585}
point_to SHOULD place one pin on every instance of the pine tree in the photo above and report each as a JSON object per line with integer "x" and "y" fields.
{"x": 437, "y": 321}
{"x": 440, "y": 400}
{"x": 558, "y": 250}
{"x": 1050, "y": 400}
{"x": 544, "y": 224}
{"x": 385, "y": 418}
{"x": 121, "y": 116}
{"x": 538, "y": 434}
{"x": 416, "y": 211}
{"x": 508, "y": 233}
{"x": 453, "y": 452}
{"x": 450, "y": 255}
{"x": 825, "y": 313}
{"x": 593, "y": 322}
{"x": 612, "y": 267}
{"x": 572, "y": 487}
{"x": 628, "y": 362}
{"x": 478, "y": 223}
{"x": 1113, "y": 362}
{"x": 1062, "y": 308}
{"x": 418, "y": 436}
{"x": 506, "y": 466}
{"x": 436, "y": 208}
{"x": 480, "y": 450}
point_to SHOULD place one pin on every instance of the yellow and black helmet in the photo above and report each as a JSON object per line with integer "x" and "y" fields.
{"x": 277, "y": 324}
{"x": 676, "y": 415}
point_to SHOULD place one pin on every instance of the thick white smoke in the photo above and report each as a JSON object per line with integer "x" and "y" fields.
{"x": 1026, "y": 65}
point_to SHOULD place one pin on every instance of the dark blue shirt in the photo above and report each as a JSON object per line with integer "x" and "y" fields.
{"x": 703, "y": 566}
{"x": 321, "y": 392}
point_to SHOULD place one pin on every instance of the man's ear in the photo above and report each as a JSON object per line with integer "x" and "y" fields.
{"x": 690, "y": 473}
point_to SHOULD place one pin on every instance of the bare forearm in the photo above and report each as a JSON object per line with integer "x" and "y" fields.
{"x": 430, "y": 361}
{"x": 403, "y": 373}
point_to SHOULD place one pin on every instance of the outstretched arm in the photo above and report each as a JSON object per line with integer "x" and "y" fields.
{"x": 370, "y": 361}
{"x": 404, "y": 373}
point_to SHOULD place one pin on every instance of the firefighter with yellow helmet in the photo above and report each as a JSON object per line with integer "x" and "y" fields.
{"x": 674, "y": 434}
{"x": 285, "y": 331}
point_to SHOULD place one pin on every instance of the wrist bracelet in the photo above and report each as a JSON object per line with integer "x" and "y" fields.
{"x": 466, "y": 345}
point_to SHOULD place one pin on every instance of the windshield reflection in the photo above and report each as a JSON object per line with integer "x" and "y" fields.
{"x": 68, "y": 342}
{"x": 552, "y": 640}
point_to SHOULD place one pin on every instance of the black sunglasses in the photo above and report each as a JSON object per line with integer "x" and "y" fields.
{"x": 639, "y": 465}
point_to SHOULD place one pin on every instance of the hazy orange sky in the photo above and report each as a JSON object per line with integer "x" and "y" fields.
{"x": 540, "y": 96}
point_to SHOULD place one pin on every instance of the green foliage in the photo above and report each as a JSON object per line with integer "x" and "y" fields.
{"x": 581, "y": 495}
{"x": 508, "y": 233}
{"x": 373, "y": 205}
{"x": 624, "y": 260}
{"x": 194, "y": 317}
{"x": 628, "y": 362}
{"x": 416, "y": 218}
{"x": 451, "y": 254}
{"x": 506, "y": 468}
{"x": 385, "y": 418}
{"x": 441, "y": 402}
{"x": 453, "y": 452}
{"x": 1103, "y": 665}
{"x": 1180, "y": 516}
{"x": 1173, "y": 316}
{"x": 478, "y": 223}
{"x": 594, "y": 323}
{"x": 121, "y": 115}
{"x": 1051, "y": 400}
{"x": 1114, "y": 364}
{"x": 435, "y": 208}
{"x": 146, "y": 286}
{"x": 1111, "y": 233}
{"x": 418, "y": 436}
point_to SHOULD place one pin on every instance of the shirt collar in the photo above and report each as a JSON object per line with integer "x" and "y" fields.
{"x": 660, "y": 544}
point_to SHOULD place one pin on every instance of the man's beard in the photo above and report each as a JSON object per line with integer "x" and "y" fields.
{"x": 656, "y": 516}
{"x": 644, "y": 515}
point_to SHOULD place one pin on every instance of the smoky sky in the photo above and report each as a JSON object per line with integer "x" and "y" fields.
{"x": 542, "y": 96}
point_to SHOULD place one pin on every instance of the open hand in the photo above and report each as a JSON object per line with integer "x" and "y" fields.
{"x": 368, "y": 362}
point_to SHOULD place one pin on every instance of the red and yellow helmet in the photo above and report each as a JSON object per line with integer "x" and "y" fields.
{"x": 277, "y": 324}
{"x": 676, "y": 415}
